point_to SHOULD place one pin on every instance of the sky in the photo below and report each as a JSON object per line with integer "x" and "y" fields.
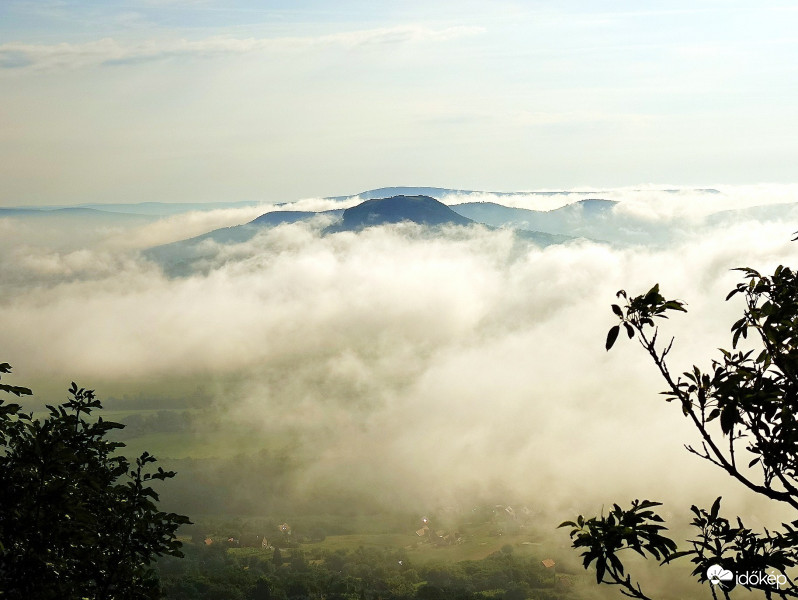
{"x": 204, "y": 100}
{"x": 424, "y": 367}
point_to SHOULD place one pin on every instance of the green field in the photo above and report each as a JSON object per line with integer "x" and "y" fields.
{"x": 475, "y": 546}
{"x": 343, "y": 533}
{"x": 216, "y": 444}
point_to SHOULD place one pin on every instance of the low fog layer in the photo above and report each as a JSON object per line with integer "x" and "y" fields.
{"x": 412, "y": 368}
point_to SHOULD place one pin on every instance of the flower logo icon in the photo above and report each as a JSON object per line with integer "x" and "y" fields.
{"x": 717, "y": 575}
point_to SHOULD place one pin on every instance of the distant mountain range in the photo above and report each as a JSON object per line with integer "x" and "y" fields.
{"x": 591, "y": 217}
{"x": 81, "y": 213}
{"x": 161, "y": 209}
{"x": 178, "y": 258}
{"x": 567, "y": 220}
{"x": 423, "y": 210}
{"x": 139, "y": 209}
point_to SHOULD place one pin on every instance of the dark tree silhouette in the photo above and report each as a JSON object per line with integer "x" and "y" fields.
{"x": 745, "y": 409}
{"x": 277, "y": 557}
{"x": 77, "y": 520}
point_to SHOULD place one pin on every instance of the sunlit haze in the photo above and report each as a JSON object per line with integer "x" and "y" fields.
{"x": 202, "y": 100}
{"x": 347, "y": 268}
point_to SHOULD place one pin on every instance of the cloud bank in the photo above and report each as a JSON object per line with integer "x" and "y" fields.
{"x": 422, "y": 368}
{"x": 110, "y": 52}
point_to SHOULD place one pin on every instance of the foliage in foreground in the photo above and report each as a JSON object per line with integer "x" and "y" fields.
{"x": 78, "y": 521}
{"x": 745, "y": 409}
{"x": 216, "y": 573}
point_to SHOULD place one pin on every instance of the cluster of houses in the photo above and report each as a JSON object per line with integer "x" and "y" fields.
{"x": 438, "y": 537}
{"x": 247, "y": 540}
{"x": 244, "y": 541}
{"x": 523, "y": 514}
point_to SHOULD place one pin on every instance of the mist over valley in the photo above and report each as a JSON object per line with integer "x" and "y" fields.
{"x": 372, "y": 297}
{"x": 351, "y": 364}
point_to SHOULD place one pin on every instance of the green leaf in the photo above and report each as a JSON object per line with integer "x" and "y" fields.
{"x": 566, "y": 524}
{"x": 15, "y": 389}
{"x": 673, "y": 556}
{"x": 600, "y": 568}
{"x": 675, "y": 305}
{"x": 713, "y": 512}
{"x": 612, "y": 335}
{"x": 728, "y": 418}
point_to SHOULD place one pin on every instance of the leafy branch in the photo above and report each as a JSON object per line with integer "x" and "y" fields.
{"x": 637, "y": 529}
{"x": 745, "y": 409}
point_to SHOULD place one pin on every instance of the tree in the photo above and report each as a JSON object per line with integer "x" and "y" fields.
{"x": 262, "y": 590}
{"x": 277, "y": 557}
{"x": 745, "y": 409}
{"x": 78, "y": 520}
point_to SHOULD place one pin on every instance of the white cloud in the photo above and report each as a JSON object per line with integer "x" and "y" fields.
{"x": 651, "y": 202}
{"x": 108, "y": 51}
{"x": 320, "y": 204}
{"x": 183, "y": 226}
{"x": 424, "y": 365}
